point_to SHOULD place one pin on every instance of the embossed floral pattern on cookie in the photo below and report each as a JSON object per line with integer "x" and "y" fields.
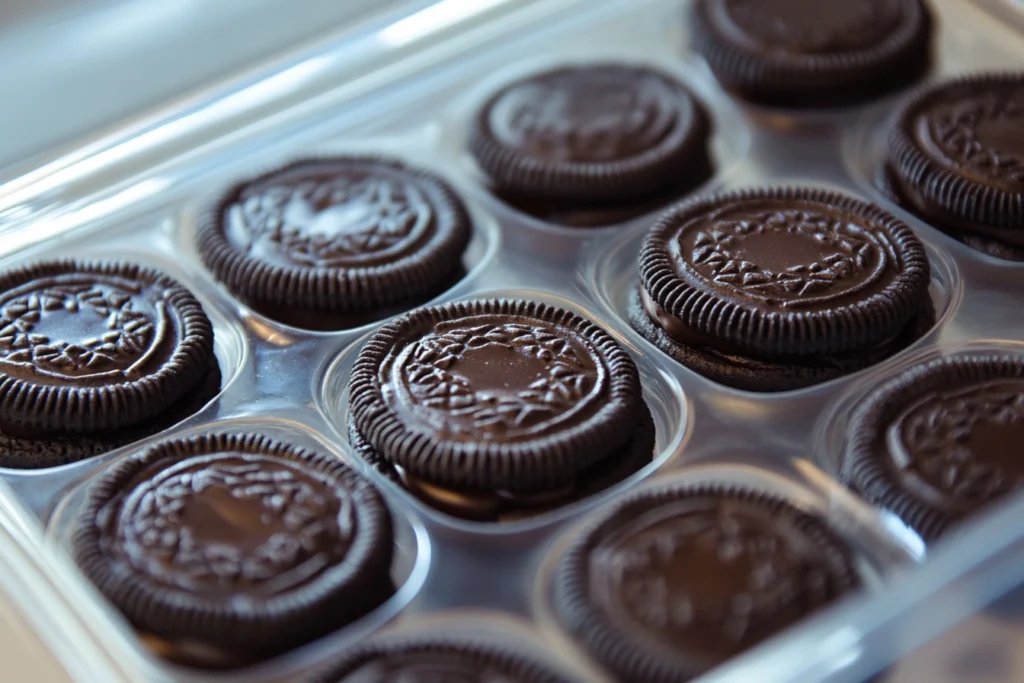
{"x": 76, "y": 329}
{"x": 672, "y": 581}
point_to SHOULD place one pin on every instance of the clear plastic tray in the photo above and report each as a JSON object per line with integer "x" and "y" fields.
{"x": 408, "y": 90}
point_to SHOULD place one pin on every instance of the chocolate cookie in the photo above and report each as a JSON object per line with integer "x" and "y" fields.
{"x": 93, "y": 355}
{"x": 940, "y": 441}
{"x": 592, "y": 144}
{"x": 241, "y": 544}
{"x": 484, "y": 407}
{"x": 430, "y": 658}
{"x": 336, "y": 242}
{"x": 807, "y": 53}
{"x": 671, "y": 582}
{"x": 51, "y": 449}
{"x": 956, "y": 158}
{"x": 778, "y": 289}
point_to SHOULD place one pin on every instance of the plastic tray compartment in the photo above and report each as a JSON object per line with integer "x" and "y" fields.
{"x": 410, "y": 94}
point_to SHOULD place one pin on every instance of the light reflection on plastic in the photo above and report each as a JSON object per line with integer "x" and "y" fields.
{"x": 93, "y": 211}
{"x": 268, "y": 333}
{"x": 53, "y": 177}
{"x": 437, "y": 17}
{"x": 48, "y": 178}
{"x": 129, "y": 19}
{"x": 843, "y": 649}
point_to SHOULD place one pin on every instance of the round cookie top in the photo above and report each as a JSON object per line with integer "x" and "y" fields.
{"x": 430, "y": 659}
{"x": 335, "y": 234}
{"x": 938, "y": 442}
{"x": 87, "y": 347}
{"x": 788, "y": 271}
{"x": 494, "y": 395}
{"x": 808, "y": 52}
{"x": 958, "y": 147}
{"x": 671, "y": 582}
{"x": 233, "y": 540}
{"x": 589, "y": 132}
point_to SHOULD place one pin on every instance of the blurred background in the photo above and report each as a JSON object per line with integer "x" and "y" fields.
{"x": 75, "y": 67}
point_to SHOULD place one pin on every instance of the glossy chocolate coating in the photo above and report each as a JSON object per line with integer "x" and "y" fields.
{"x": 941, "y": 440}
{"x": 330, "y": 216}
{"x": 961, "y": 446}
{"x": 708, "y": 577}
{"x": 495, "y": 377}
{"x": 229, "y": 525}
{"x": 978, "y": 133}
{"x": 345, "y": 237}
{"x": 523, "y": 396}
{"x": 585, "y": 115}
{"x": 807, "y": 27}
{"x": 787, "y": 255}
{"x": 86, "y": 348}
{"x": 86, "y": 330}
{"x": 956, "y": 159}
{"x": 804, "y": 53}
{"x": 682, "y": 580}
{"x": 236, "y": 543}
{"x": 783, "y": 272}
{"x": 594, "y": 135}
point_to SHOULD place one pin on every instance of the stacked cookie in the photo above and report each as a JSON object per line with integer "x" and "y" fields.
{"x": 779, "y": 289}
{"x": 940, "y": 441}
{"x": 956, "y": 158}
{"x": 592, "y": 145}
{"x": 94, "y": 356}
{"x": 224, "y": 549}
{"x": 493, "y": 409}
{"x": 336, "y": 242}
{"x": 668, "y": 583}
{"x": 804, "y": 53}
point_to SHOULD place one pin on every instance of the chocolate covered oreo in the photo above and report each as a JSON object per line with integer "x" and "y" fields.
{"x": 806, "y": 53}
{"x": 235, "y": 542}
{"x": 431, "y": 658}
{"x": 336, "y": 242}
{"x": 94, "y": 355}
{"x": 483, "y": 408}
{"x": 669, "y": 583}
{"x": 591, "y": 144}
{"x": 956, "y": 158}
{"x": 777, "y": 289}
{"x": 940, "y": 441}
